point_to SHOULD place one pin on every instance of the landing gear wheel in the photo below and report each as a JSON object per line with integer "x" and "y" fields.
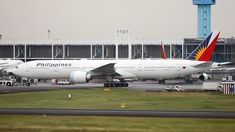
{"x": 125, "y": 85}
{"x": 27, "y": 84}
{"x": 8, "y": 84}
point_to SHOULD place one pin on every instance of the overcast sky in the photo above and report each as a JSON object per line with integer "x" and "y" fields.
{"x": 98, "y": 19}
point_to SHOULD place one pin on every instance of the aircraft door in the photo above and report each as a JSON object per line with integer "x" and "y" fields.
{"x": 179, "y": 69}
{"x": 139, "y": 67}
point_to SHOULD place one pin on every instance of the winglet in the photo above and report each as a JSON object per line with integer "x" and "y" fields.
{"x": 205, "y": 50}
{"x": 163, "y": 51}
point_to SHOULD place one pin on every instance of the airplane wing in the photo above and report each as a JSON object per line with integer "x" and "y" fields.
{"x": 204, "y": 64}
{"x": 3, "y": 63}
{"x": 2, "y": 71}
{"x": 105, "y": 70}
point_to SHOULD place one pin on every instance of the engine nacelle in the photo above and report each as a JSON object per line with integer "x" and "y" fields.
{"x": 79, "y": 77}
{"x": 203, "y": 77}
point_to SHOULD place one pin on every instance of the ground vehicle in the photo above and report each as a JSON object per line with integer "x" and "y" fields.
{"x": 6, "y": 82}
{"x": 176, "y": 88}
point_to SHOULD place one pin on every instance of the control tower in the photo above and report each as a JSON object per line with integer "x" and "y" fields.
{"x": 204, "y": 17}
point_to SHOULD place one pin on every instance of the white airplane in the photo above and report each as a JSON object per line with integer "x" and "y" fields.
{"x": 82, "y": 71}
{"x": 8, "y": 65}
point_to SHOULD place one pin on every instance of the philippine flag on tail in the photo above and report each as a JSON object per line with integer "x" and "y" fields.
{"x": 205, "y": 50}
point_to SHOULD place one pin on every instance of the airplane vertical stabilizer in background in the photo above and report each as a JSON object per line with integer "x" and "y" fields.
{"x": 163, "y": 51}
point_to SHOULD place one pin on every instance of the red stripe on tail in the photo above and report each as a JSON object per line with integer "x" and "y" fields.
{"x": 206, "y": 56}
{"x": 163, "y": 52}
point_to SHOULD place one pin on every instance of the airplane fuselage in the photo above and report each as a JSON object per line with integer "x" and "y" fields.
{"x": 141, "y": 69}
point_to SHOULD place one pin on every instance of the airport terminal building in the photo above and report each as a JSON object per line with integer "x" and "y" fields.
{"x": 28, "y": 50}
{"x": 88, "y": 49}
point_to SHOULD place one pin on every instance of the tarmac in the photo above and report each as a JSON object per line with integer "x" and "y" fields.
{"x": 151, "y": 86}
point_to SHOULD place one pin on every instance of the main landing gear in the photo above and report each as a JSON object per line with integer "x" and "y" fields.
{"x": 189, "y": 80}
{"x": 26, "y": 82}
{"x": 116, "y": 84}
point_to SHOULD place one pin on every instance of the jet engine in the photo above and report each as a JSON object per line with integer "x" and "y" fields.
{"x": 203, "y": 77}
{"x": 79, "y": 77}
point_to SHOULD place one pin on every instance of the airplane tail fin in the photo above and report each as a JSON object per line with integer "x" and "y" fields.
{"x": 204, "y": 50}
{"x": 163, "y": 52}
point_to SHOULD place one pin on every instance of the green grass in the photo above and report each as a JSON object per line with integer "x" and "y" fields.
{"x": 115, "y": 124}
{"x": 98, "y": 99}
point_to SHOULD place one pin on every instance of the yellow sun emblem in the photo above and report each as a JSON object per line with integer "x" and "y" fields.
{"x": 199, "y": 53}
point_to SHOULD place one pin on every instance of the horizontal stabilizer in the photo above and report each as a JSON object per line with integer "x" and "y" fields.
{"x": 204, "y": 64}
{"x": 227, "y": 64}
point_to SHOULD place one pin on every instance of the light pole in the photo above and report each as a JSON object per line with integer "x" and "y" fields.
{"x": 48, "y": 33}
